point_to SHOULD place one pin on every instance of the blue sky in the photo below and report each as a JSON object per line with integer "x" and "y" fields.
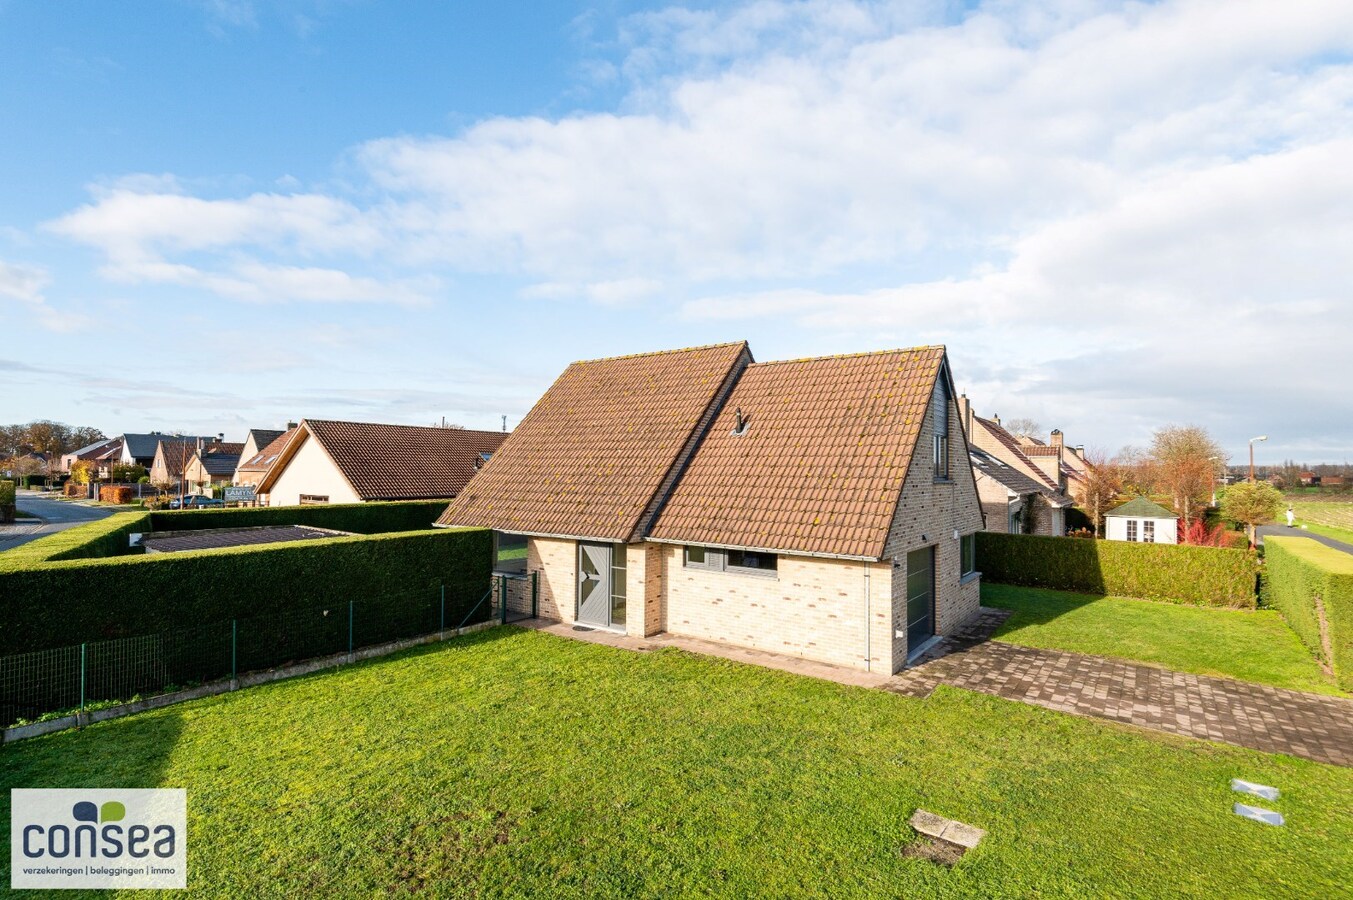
{"x": 218, "y": 215}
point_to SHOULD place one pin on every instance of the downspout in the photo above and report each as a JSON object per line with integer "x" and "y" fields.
{"x": 868, "y": 631}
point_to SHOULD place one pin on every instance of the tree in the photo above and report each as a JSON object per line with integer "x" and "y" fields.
{"x": 1024, "y": 427}
{"x": 46, "y": 436}
{"x": 1252, "y": 504}
{"x": 1134, "y": 470}
{"x": 1185, "y": 459}
{"x": 81, "y": 471}
{"x": 1099, "y": 486}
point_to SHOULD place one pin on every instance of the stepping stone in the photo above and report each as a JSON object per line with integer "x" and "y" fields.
{"x": 966, "y": 836}
{"x": 1267, "y": 816}
{"x": 1258, "y": 790}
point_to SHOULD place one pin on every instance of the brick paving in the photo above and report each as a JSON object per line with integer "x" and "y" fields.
{"x": 1218, "y": 709}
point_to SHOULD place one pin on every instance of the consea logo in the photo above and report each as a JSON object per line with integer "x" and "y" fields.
{"x": 98, "y": 838}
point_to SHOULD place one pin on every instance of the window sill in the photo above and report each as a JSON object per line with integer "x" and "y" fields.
{"x": 943, "y": 481}
{"x": 970, "y": 577}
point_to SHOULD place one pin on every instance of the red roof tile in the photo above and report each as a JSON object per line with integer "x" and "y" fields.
{"x": 594, "y": 453}
{"x": 820, "y": 465}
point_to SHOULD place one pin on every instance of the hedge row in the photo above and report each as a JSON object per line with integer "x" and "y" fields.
{"x": 359, "y": 518}
{"x": 102, "y": 538}
{"x": 1205, "y": 576}
{"x": 56, "y": 604}
{"x": 1301, "y": 573}
{"x": 6, "y": 501}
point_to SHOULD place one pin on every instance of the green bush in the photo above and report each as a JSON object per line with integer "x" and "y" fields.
{"x": 1299, "y": 574}
{"x": 6, "y": 493}
{"x": 359, "y": 518}
{"x": 1205, "y": 576}
{"x": 54, "y": 604}
{"x": 105, "y": 537}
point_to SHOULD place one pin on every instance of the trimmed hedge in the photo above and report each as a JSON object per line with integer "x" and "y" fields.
{"x": 6, "y": 501}
{"x": 56, "y": 604}
{"x": 359, "y": 518}
{"x": 96, "y": 540}
{"x": 1301, "y": 572}
{"x": 1204, "y": 576}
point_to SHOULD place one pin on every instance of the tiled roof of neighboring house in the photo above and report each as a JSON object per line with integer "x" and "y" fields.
{"x": 112, "y": 451}
{"x": 263, "y": 436}
{"x": 175, "y": 454}
{"x": 221, "y": 459}
{"x": 264, "y": 458}
{"x": 820, "y": 464}
{"x": 1141, "y": 508}
{"x": 394, "y": 462}
{"x": 91, "y": 450}
{"x": 593, "y": 456}
{"x": 1040, "y": 450}
{"x": 142, "y": 446}
{"x": 1012, "y": 445}
{"x": 1011, "y": 478}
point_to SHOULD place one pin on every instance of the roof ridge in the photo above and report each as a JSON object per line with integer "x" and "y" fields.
{"x": 804, "y": 359}
{"x": 742, "y": 343}
{"x": 397, "y": 425}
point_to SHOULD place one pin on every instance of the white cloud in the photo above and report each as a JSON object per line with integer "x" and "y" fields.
{"x": 1072, "y": 180}
{"x": 27, "y": 285}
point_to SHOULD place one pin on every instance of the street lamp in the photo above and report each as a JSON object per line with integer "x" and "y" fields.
{"x": 1262, "y": 437}
{"x": 1212, "y": 474}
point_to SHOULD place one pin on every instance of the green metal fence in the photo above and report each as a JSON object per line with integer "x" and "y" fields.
{"x": 66, "y": 679}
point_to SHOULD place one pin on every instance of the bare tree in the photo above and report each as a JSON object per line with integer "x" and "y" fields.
{"x": 1185, "y": 459}
{"x": 1100, "y": 486}
{"x": 1024, "y": 427}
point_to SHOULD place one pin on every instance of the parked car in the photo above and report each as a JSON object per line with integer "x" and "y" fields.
{"x": 195, "y": 502}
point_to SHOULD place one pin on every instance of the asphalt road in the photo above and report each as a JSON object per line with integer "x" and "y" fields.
{"x": 57, "y": 515}
{"x": 1283, "y": 531}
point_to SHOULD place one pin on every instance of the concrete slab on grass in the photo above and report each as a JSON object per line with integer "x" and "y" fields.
{"x": 1258, "y": 814}
{"x": 1258, "y": 790}
{"x": 928, "y": 823}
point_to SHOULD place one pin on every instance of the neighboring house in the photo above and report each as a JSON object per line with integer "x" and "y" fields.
{"x": 1014, "y": 503}
{"x": 141, "y": 448}
{"x": 259, "y": 438}
{"x": 352, "y": 462}
{"x": 1031, "y": 512}
{"x": 1309, "y": 479}
{"x": 1332, "y": 481}
{"x": 252, "y": 468}
{"x": 211, "y": 464}
{"x": 88, "y": 453}
{"x": 821, "y": 508}
{"x": 171, "y": 458}
{"x": 1143, "y": 521}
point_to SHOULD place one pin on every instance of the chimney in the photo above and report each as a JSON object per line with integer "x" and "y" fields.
{"x": 965, "y": 415}
{"x": 996, "y": 419}
{"x": 1056, "y": 438}
{"x": 290, "y": 425}
{"x": 1080, "y": 450}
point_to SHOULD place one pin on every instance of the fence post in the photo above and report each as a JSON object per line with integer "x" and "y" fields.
{"x": 349, "y": 631}
{"x": 82, "y": 678}
{"x": 441, "y": 627}
{"x": 234, "y": 655}
{"x": 535, "y": 593}
{"x": 502, "y": 597}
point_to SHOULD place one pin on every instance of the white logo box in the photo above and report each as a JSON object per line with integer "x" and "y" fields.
{"x": 98, "y": 838}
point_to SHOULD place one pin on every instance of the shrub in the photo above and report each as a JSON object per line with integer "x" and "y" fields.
{"x": 1206, "y": 576}
{"x": 115, "y": 493}
{"x": 1312, "y": 586}
{"x": 360, "y": 518}
{"x": 53, "y": 604}
{"x": 75, "y": 488}
{"x": 104, "y": 538}
{"x": 6, "y": 501}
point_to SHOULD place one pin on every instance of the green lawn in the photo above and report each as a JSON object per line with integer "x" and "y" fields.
{"x": 1250, "y": 645}
{"x": 515, "y": 763}
{"x": 1328, "y": 517}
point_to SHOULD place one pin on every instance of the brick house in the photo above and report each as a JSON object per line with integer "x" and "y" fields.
{"x": 1022, "y": 485}
{"x": 210, "y": 465}
{"x": 323, "y": 461}
{"x": 253, "y": 466}
{"x": 821, "y": 508}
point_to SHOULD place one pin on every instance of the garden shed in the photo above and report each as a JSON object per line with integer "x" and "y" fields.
{"x": 1142, "y": 521}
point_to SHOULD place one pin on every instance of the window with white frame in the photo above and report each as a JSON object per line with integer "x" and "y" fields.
{"x": 1132, "y": 529}
{"x": 747, "y": 562}
{"x": 1148, "y": 531}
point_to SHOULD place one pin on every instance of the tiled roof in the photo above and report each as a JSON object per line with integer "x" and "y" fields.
{"x": 401, "y": 462}
{"x": 1040, "y": 450}
{"x": 221, "y": 459}
{"x": 263, "y": 436}
{"x": 142, "y": 446}
{"x": 1012, "y": 446}
{"x": 596, "y": 450}
{"x": 264, "y": 458}
{"x": 820, "y": 464}
{"x": 1011, "y": 478}
{"x": 176, "y": 455}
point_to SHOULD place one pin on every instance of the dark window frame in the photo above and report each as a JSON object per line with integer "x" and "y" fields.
{"x": 967, "y": 553}
{"x": 940, "y": 423}
{"x": 717, "y": 559}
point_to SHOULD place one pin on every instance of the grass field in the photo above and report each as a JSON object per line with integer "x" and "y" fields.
{"x": 515, "y": 763}
{"x": 1330, "y": 518}
{"x": 1250, "y": 645}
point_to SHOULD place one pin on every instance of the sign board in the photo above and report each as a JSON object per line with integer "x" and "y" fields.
{"x": 239, "y": 495}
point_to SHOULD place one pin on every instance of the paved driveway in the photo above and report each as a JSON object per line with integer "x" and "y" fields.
{"x": 1218, "y": 709}
{"x": 1283, "y": 531}
{"x": 57, "y": 515}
